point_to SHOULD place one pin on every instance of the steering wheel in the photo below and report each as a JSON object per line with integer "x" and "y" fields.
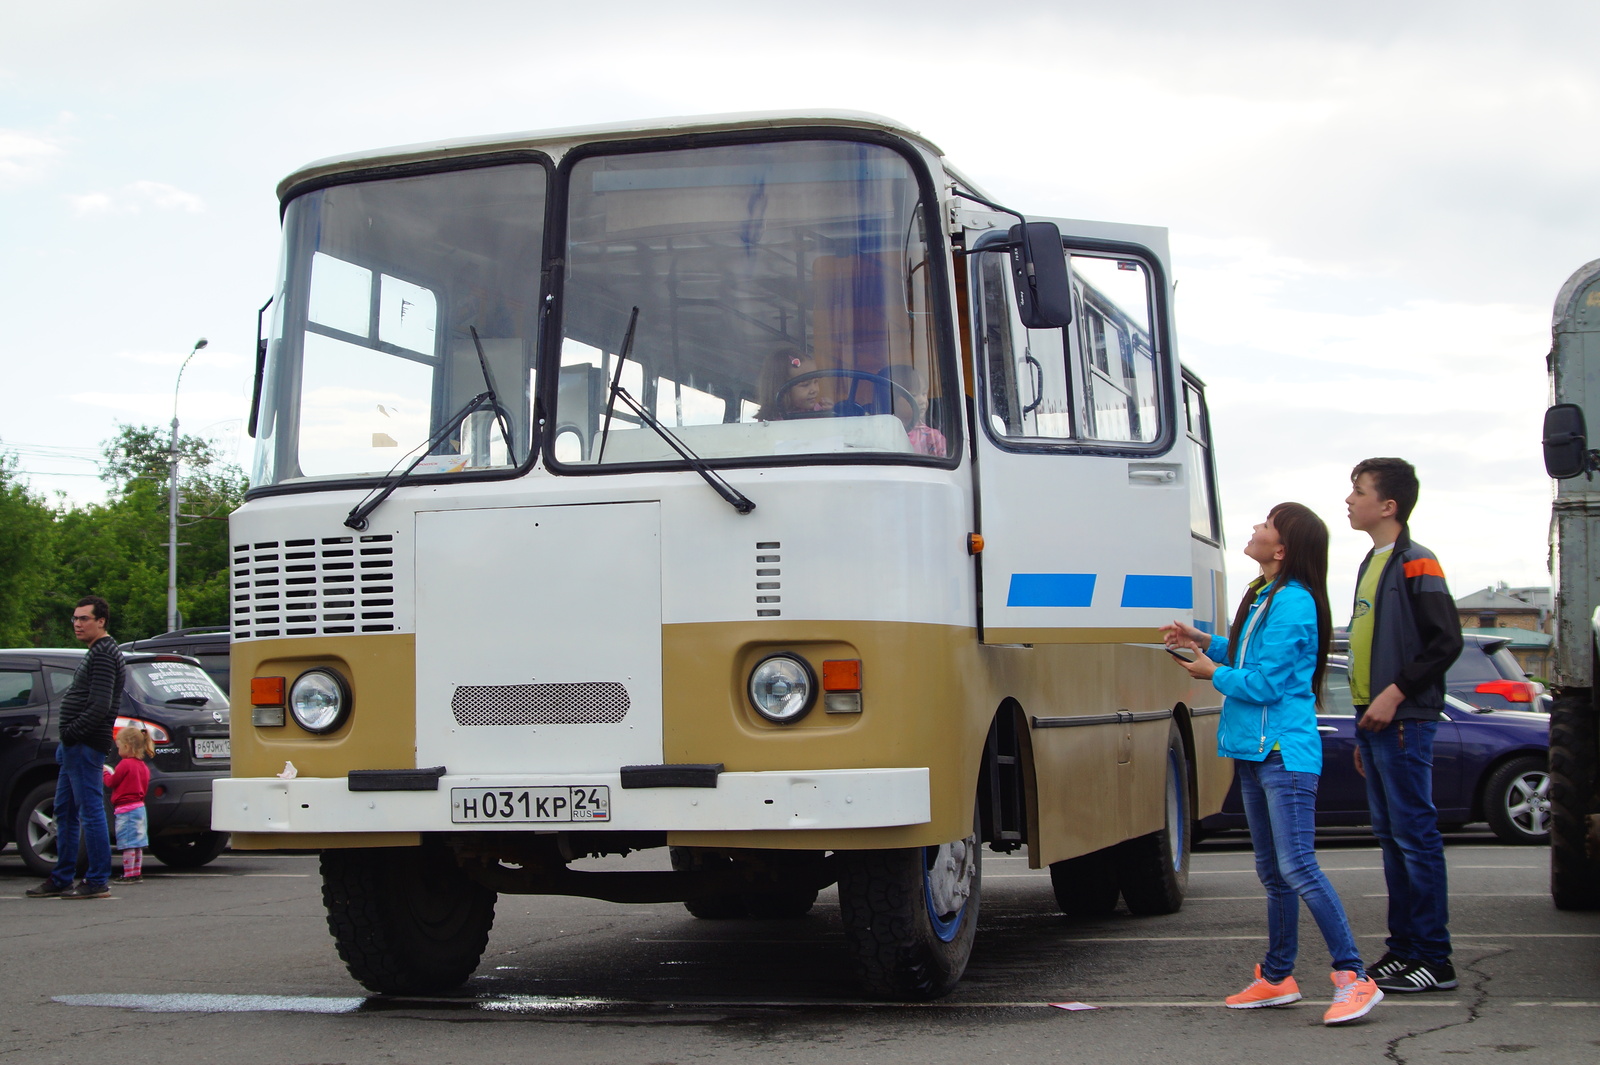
{"x": 849, "y": 407}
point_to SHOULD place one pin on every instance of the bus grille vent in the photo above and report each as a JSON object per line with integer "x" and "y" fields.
{"x": 313, "y": 587}
{"x": 586, "y": 703}
{"x": 768, "y": 585}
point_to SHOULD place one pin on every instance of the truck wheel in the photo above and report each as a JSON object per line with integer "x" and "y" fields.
{"x": 407, "y": 920}
{"x": 722, "y": 906}
{"x": 35, "y": 829}
{"x": 1153, "y": 870}
{"x": 1085, "y": 886}
{"x": 191, "y": 851}
{"x": 1574, "y": 752}
{"x": 1516, "y": 802}
{"x": 910, "y": 916}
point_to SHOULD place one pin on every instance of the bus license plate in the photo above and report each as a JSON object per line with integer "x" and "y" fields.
{"x": 210, "y": 749}
{"x": 529, "y": 805}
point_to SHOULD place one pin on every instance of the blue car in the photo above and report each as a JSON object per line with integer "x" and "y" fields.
{"x": 1488, "y": 765}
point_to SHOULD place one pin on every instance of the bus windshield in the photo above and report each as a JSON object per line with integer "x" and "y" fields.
{"x": 401, "y": 300}
{"x": 781, "y": 301}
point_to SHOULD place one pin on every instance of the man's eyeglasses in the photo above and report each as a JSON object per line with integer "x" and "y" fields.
{"x": 85, "y": 618}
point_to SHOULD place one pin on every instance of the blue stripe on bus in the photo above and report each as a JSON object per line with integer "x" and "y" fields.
{"x": 1050, "y": 589}
{"x": 1154, "y": 590}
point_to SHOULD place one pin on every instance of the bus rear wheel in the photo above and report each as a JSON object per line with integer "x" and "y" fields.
{"x": 407, "y": 920}
{"x": 1153, "y": 870}
{"x": 911, "y": 915}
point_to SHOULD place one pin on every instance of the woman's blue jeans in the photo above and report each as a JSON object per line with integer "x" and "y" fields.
{"x": 81, "y": 808}
{"x": 1281, "y": 808}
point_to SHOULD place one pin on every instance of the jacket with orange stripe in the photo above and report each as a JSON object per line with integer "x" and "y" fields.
{"x": 1416, "y": 632}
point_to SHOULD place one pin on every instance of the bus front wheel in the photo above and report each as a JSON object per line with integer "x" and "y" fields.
{"x": 910, "y": 916}
{"x": 407, "y": 920}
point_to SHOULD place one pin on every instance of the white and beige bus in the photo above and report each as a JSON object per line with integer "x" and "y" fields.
{"x": 751, "y": 486}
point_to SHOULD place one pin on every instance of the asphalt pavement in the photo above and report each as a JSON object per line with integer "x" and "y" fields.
{"x": 233, "y": 963}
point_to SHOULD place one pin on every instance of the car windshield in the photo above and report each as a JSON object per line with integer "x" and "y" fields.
{"x": 176, "y": 683}
{"x": 402, "y": 301}
{"x": 780, "y": 298}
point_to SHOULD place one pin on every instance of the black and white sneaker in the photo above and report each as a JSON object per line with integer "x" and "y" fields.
{"x": 1420, "y": 976}
{"x": 1387, "y": 965}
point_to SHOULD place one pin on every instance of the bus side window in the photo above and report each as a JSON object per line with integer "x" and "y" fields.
{"x": 1115, "y": 351}
{"x": 1202, "y": 475}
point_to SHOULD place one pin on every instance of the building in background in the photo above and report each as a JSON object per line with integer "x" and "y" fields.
{"x": 1519, "y": 615}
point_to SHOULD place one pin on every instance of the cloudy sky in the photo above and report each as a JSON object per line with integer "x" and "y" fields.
{"x": 1372, "y": 204}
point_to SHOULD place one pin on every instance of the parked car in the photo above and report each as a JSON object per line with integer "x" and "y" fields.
{"x": 208, "y": 644}
{"x": 1488, "y": 676}
{"x": 1488, "y": 765}
{"x": 174, "y": 698}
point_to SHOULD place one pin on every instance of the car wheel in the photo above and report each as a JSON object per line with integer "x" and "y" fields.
{"x": 407, "y": 920}
{"x": 1153, "y": 870}
{"x": 189, "y": 852}
{"x": 911, "y": 915}
{"x": 35, "y": 829}
{"x": 1516, "y": 801}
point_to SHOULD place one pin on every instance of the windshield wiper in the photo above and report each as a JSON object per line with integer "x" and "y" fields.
{"x": 736, "y": 499}
{"x": 357, "y": 518}
{"x": 494, "y": 398}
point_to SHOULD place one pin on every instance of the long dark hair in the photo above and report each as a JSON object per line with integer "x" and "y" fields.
{"x": 1305, "y": 559}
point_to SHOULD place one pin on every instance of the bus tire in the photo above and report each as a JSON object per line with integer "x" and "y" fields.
{"x": 1574, "y": 796}
{"x": 407, "y": 920}
{"x": 1153, "y": 870}
{"x": 910, "y": 916}
{"x": 722, "y": 906}
{"x": 1085, "y": 886}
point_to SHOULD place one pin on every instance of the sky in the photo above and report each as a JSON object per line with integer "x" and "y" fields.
{"x": 1372, "y": 205}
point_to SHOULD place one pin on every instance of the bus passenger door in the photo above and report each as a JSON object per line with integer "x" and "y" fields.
{"x": 1083, "y": 466}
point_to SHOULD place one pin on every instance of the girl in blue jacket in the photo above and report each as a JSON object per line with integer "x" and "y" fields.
{"x": 1269, "y": 671}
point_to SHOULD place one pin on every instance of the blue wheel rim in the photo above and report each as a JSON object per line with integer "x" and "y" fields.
{"x": 944, "y": 928}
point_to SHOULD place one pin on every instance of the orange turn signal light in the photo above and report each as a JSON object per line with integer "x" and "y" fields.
{"x": 975, "y": 543}
{"x": 266, "y": 691}
{"x": 841, "y": 675}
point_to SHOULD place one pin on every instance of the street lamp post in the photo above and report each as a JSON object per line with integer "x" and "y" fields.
{"x": 172, "y": 498}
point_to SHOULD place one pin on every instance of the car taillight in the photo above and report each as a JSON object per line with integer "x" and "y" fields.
{"x": 157, "y": 733}
{"x": 1518, "y": 691}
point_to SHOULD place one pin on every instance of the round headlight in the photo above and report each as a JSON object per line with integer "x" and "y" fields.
{"x": 782, "y": 688}
{"x": 319, "y": 700}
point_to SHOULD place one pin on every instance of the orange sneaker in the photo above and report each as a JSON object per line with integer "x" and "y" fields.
{"x": 1263, "y": 992}
{"x": 1353, "y": 997}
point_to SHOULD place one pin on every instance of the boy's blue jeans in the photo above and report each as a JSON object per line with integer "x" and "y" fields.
{"x": 1281, "y": 808}
{"x": 81, "y": 807}
{"x": 1399, "y": 765}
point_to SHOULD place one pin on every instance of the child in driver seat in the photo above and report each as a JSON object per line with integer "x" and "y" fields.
{"x": 128, "y": 783}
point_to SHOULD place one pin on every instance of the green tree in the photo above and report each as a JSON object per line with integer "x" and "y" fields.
{"x": 117, "y": 549}
{"x": 27, "y": 560}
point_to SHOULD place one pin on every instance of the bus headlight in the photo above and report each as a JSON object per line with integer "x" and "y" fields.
{"x": 319, "y": 700}
{"x": 782, "y": 688}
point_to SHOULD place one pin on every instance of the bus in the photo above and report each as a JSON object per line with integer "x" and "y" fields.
{"x": 752, "y": 486}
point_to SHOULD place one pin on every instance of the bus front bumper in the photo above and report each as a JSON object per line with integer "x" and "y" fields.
{"x": 784, "y": 800}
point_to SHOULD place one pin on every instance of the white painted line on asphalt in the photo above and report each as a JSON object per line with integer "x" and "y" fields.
{"x": 1480, "y": 895}
{"x": 1533, "y": 868}
{"x": 1040, "y": 874}
{"x": 1226, "y": 898}
{"x": 1562, "y": 1005}
{"x": 1504, "y": 935}
{"x": 290, "y": 876}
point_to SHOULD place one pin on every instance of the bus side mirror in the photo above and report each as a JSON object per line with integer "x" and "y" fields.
{"x": 1566, "y": 445}
{"x": 1039, "y": 268}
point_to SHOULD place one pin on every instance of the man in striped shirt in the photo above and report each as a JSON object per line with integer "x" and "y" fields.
{"x": 84, "y": 726}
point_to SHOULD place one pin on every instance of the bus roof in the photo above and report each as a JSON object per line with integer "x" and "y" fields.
{"x": 568, "y": 136}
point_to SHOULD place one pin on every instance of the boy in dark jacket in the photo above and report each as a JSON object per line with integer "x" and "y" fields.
{"x": 1404, "y": 635}
{"x": 88, "y": 713}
